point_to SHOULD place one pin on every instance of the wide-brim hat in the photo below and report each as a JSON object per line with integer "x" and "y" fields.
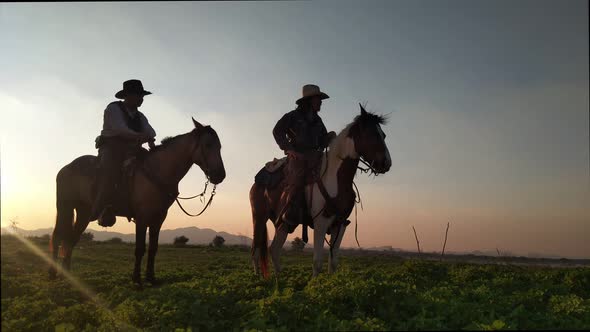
{"x": 132, "y": 87}
{"x": 311, "y": 90}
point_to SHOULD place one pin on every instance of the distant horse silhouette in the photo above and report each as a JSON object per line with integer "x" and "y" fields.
{"x": 152, "y": 188}
{"x": 363, "y": 138}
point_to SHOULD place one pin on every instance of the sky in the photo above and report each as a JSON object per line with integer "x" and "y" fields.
{"x": 488, "y": 105}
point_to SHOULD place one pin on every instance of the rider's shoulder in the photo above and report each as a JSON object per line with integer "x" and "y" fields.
{"x": 288, "y": 116}
{"x": 141, "y": 115}
{"x": 294, "y": 113}
{"x": 114, "y": 105}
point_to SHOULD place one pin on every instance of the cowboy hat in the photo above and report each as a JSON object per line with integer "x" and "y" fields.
{"x": 132, "y": 87}
{"x": 311, "y": 90}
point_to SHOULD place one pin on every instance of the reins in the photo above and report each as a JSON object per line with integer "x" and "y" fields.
{"x": 199, "y": 195}
{"x": 356, "y": 223}
{"x": 331, "y": 244}
{"x": 320, "y": 179}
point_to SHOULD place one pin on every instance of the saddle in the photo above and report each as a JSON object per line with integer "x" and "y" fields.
{"x": 272, "y": 173}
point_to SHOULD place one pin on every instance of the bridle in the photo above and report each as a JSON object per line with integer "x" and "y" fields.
{"x": 201, "y": 195}
{"x": 370, "y": 169}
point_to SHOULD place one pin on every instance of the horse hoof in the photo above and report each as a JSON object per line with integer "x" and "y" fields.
{"x": 152, "y": 280}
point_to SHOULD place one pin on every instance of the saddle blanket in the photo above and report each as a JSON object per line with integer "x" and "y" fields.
{"x": 271, "y": 175}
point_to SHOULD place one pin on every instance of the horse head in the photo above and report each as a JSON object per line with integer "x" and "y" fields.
{"x": 207, "y": 154}
{"x": 369, "y": 140}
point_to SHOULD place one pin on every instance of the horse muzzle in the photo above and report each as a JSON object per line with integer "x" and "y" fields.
{"x": 217, "y": 177}
{"x": 382, "y": 166}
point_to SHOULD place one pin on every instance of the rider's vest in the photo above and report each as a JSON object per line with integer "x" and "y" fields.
{"x": 133, "y": 123}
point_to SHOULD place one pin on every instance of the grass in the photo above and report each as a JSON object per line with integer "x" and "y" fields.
{"x": 208, "y": 288}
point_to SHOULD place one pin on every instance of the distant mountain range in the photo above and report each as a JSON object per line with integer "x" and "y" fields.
{"x": 205, "y": 236}
{"x": 195, "y": 235}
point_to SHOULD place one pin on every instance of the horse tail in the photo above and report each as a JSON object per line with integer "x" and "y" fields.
{"x": 259, "y": 218}
{"x": 64, "y": 221}
{"x": 261, "y": 242}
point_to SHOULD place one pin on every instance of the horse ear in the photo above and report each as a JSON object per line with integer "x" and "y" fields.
{"x": 197, "y": 124}
{"x": 363, "y": 112}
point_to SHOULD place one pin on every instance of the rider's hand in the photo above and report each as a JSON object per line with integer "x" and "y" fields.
{"x": 144, "y": 138}
{"x": 292, "y": 153}
{"x": 331, "y": 135}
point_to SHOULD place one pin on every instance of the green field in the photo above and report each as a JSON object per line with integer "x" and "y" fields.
{"x": 215, "y": 289}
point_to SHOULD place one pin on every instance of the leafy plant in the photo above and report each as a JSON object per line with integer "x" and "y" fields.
{"x": 86, "y": 237}
{"x": 114, "y": 240}
{"x": 180, "y": 241}
{"x": 218, "y": 241}
{"x": 297, "y": 244}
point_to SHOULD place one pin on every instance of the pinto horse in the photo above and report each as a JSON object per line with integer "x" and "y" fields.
{"x": 330, "y": 199}
{"x": 153, "y": 188}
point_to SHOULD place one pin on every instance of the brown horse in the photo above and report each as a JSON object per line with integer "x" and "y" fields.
{"x": 364, "y": 140}
{"x": 152, "y": 188}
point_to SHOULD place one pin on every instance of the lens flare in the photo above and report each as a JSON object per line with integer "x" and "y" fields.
{"x": 79, "y": 285}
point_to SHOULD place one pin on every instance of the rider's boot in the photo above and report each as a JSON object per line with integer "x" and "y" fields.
{"x": 291, "y": 217}
{"x": 103, "y": 207}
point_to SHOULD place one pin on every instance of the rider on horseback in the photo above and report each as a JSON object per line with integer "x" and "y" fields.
{"x": 125, "y": 129}
{"x": 301, "y": 134}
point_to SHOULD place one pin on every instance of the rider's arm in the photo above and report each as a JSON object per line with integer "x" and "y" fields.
{"x": 325, "y": 136}
{"x": 146, "y": 127}
{"x": 280, "y": 132}
{"x": 149, "y": 131}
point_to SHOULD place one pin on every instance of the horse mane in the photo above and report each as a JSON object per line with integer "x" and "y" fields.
{"x": 168, "y": 140}
{"x": 336, "y": 143}
{"x": 370, "y": 118}
{"x": 366, "y": 118}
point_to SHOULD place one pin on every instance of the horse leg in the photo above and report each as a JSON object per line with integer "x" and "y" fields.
{"x": 53, "y": 247}
{"x": 63, "y": 228}
{"x": 275, "y": 248}
{"x": 256, "y": 260}
{"x": 82, "y": 220}
{"x": 319, "y": 233}
{"x": 140, "y": 230}
{"x": 152, "y": 250}
{"x": 67, "y": 254}
{"x": 257, "y": 249}
{"x": 54, "y": 243}
{"x": 337, "y": 233}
